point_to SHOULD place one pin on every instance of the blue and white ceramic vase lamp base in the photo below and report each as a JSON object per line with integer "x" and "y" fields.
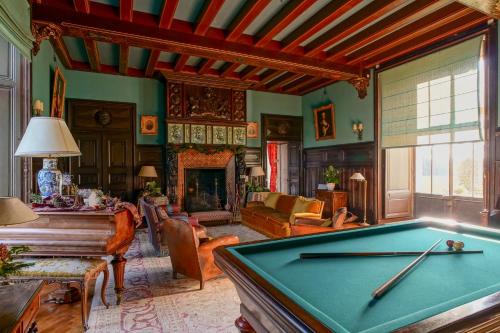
{"x": 49, "y": 178}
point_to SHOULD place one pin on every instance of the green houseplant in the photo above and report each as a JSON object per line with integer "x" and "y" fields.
{"x": 332, "y": 177}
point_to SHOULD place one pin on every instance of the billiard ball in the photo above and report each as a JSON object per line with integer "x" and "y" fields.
{"x": 458, "y": 246}
{"x": 450, "y": 242}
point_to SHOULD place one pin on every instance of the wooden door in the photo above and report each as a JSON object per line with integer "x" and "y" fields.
{"x": 104, "y": 131}
{"x": 294, "y": 167}
{"x": 398, "y": 183}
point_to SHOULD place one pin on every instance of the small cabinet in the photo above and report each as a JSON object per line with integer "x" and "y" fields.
{"x": 333, "y": 201}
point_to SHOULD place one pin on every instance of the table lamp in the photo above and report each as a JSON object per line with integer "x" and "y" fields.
{"x": 48, "y": 137}
{"x": 358, "y": 177}
{"x": 256, "y": 172}
{"x": 14, "y": 211}
{"x": 148, "y": 171}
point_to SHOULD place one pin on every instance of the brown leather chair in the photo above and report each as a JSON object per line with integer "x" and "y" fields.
{"x": 305, "y": 226}
{"x": 190, "y": 256}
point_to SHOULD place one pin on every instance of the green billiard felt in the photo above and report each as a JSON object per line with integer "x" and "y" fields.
{"x": 337, "y": 291}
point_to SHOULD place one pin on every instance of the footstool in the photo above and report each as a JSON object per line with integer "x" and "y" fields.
{"x": 67, "y": 270}
{"x": 213, "y": 217}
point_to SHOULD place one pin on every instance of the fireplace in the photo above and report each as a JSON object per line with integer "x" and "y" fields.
{"x": 205, "y": 189}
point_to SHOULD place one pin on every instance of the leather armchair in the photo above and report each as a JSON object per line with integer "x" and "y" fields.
{"x": 305, "y": 226}
{"x": 189, "y": 256}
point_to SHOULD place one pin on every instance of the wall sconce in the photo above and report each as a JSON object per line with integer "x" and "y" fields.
{"x": 357, "y": 128}
{"x": 37, "y": 108}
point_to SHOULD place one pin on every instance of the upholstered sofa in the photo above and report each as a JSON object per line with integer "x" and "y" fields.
{"x": 274, "y": 216}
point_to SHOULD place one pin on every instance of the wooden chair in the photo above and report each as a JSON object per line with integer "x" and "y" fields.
{"x": 190, "y": 256}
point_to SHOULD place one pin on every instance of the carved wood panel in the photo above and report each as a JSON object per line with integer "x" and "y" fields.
{"x": 204, "y": 103}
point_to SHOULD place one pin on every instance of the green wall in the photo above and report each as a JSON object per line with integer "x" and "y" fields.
{"x": 348, "y": 109}
{"x": 147, "y": 94}
{"x": 259, "y": 102}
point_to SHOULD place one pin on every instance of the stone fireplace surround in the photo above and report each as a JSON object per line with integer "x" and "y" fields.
{"x": 192, "y": 159}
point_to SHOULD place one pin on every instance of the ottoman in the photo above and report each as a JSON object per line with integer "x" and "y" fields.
{"x": 214, "y": 217}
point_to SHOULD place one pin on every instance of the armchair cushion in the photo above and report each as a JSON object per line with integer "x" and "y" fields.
{"x": 304, "y": 205}
{"x": 272, "y": 199}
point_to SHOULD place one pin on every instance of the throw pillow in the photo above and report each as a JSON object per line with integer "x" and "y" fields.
{"x": 301, "y": 206}
{"x": 272, "y": 200}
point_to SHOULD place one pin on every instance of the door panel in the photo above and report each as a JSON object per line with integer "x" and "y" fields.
{"x": 398, "y": 194}
{"x": 294, "y": 167}
{"x": 117, "y": 165}
{"x": 87, "y": 168}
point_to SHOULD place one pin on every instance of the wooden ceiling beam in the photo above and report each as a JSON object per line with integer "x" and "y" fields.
{"x": 281, "y": 20}
{"x": 205, "y": 66}
{"x": 392, "y": 22}
{"x": 123, "y": 63}
{"x": 318, "y": 21}
{"x": 250, "y": 10}
{"x": 93, "y": 54}
{"x": 126, "y": 10}
{"x": 268, "y": 76}
{"x": 154, "y": 55}
{"x": 350, "y": 25}
{"x": 283, "y": 80}
{"x": 181, "y": 62}
{"x": 206, "y": 80}
{"x": 82, "y": 6}
{"x": 489, "y": 7}
{"x": 428, "y": 23}
{"x": 295, "y": 87}
{"x": 62, "y": 51}
{"x": 316, "y": 85}
{"x": 450, "y": 29}
{"x": 167, "y": 13}
{"x": 249, "y": 72}
{"x": 208, "y": 13}
{"x": 228, "y": 69}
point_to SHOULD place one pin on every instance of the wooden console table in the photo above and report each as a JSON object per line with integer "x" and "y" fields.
{"x": 77, "y": 234}
{"x": 19, "y": 305}
{"x": 333, "y": 201}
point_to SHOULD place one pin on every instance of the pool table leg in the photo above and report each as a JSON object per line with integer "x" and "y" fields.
{"x": 243, "y": 325}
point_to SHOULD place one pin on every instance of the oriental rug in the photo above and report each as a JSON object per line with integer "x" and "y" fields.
{"x": 154, "y": 302}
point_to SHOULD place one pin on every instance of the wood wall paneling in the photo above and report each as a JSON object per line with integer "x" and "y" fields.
{"x": 349, "y": 159}
{"x": 253, "y": 157}
{"x": 150, "y": 155}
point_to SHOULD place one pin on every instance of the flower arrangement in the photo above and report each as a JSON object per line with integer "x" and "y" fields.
{"x": 7, "y": 263}
{"x": 332, "y": 177}
{"x": 152, "y": 189}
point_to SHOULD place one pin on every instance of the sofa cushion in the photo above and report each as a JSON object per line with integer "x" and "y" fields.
{"x": 285, "y": 203}
{"x": 262, "y": 212}
{"x": 272, "y": 199}
{"x": 302, "y": 205}
{"x": 278, "y": 217}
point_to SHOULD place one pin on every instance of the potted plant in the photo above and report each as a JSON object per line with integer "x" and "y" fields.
{"x": 331, "y": 177}
{"x": 7, "y": 263}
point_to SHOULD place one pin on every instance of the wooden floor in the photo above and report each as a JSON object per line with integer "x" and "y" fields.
{"x": 64, "y": 318}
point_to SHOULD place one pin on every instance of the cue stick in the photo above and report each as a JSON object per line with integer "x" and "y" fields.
{"x": 379, "y": 254}
{"x": 380, "y": 291}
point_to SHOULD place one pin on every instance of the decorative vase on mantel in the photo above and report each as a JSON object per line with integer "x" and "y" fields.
{"x": 330, "y": 186}
{"x": 49, "y": 178}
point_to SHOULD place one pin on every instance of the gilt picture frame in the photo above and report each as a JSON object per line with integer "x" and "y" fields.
{"x": 324, "y": 122}
{"x": 252, "y": 130}
{"x": 149, "y": 125}
{"x": 58, "y": 94}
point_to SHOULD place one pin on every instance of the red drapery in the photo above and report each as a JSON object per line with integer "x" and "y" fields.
{"x": 272, "y": 156}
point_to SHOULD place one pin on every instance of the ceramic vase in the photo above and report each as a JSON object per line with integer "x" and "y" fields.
{"x": 330, "y": 186}
{"x": 49, "y": 178}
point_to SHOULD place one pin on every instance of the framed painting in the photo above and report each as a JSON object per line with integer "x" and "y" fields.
{"x": 149, "y": 125}
{"x": 239, "y": 136}
{"x": 219, "y": 136}
{"x": 198, "y": 134}
{"x": 58, "y": 94}
{"x": 252, "y": 130}
{"x": 324, "y": 122}
{"x": 175, "y": 133}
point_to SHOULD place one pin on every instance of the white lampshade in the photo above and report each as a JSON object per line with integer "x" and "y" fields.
{"x": 47, "y": 137}
{"x": 257, "y": 171}
{"x": 148, "y": 171}
{"x": 14, "y": 211}
{"x": 357, "y": 177}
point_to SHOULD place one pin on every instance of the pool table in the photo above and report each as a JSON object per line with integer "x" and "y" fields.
{"x": 280, "y": 292}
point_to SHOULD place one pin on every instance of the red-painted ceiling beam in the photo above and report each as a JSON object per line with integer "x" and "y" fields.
{"x": 123, "y": 64}
{"x": 181, "y": 62}
{"x": 228, "y": 69}
{"x": 126, "y": 10}
{"x": 350, "y": 25}
{"x": 93, "y": 54}
{"x": 245, "y": 17}
{"x": 387, "y": 25}
{"x": 315, "y": 86}
{"x": 281, "y": 20}
{"x": 210, "y": 10}
{"x": 167, "y": 13}
{"x": 249, "y": 72}
{"x": 461, "y": 24}
{"x": 452, "y": 12}
{"x": 152, "y": 61}
{"x": 82, "y": 6}
{"x": 318, "y": 21}
{"x": 62, "y": 52}
{"x": 205, "y": 66}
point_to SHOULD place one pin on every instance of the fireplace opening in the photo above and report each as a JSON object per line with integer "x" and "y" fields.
{"x": 205, "y": 189}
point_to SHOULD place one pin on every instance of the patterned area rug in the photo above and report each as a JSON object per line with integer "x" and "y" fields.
{"x": 154, "y": 302}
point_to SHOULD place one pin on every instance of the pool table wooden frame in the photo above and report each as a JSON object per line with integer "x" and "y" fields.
{"x": 266, "y": 309}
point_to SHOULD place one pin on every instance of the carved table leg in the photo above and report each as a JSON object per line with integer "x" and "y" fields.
{"x": 243, "y": 325}
{"x": 119, "y": 273}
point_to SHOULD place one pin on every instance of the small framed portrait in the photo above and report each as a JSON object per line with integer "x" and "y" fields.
{"x": 149, "y": 125}
{"x": 198, "y": 134}
{"x": 58, "y": 93}
{"x": 219, "y": 136}
{"x": 239, "y": 136}
{"x": 324, "y": 122}
{"x": 252, "y": 130}
{"x": 175, "y": 133}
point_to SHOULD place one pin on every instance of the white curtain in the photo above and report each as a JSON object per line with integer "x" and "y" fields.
{"x": 434, "y": 99}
